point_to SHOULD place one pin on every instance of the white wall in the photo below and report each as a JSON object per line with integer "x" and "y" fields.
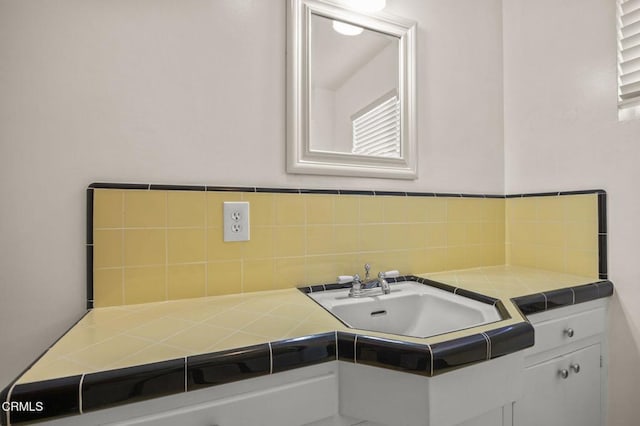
{"x": 561, "y": 132}
{"x": 190, "y": 91}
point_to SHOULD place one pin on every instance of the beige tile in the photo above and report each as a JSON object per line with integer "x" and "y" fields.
{"x": 319, "y": 208}
{"x": 80, "y": 338}
{"x": 109, "y": 351}
{"x": 260, "y": 245}
{"x": 186, "y": 245}
{"x": 271, "y": 327}
{"x": 151, "y": 354}
{"x": 522, "y": 209}
{"x": 289, "y": 310}
{"x": 581, "y": 207}
{"x": 346, "y": 238}
{"x": 552, "y": 258}
{"x": 144, "y": 284}
{"x": 237, "y": 340}
{"x": 234, "y": 319}
{"x": 464, "y": 209}
{"x": 372, "y": 237}
{"x": 475, "y": 233}
{"x": 107, "y": 208}
{"x": 107, "y": 248}
{"x": 60, "y": 367}
{"x": 549, "y": 209}
{"x": 186, "y": 281}
{"x": 144, "y": 209}
{"x": 582, "y": 236}
{"x": 160, "y": 329}
{"x": 550, "y": 234}
{"x": 144, "y": 247}
{"x": 582, "y": 263}
{"x": 198, "y": 338}
{"x": 417, "y": 208}
{"x": 107, "y": 287}
{"x": 456, "y": 233}
{"x": 436, "y": 234}
{"x": 436, "y": 209}
{"x": 224, "y": 277}
{"x": 320, "y": 269}
{"x": 186, "y": 208}
{"x": 396, "y": 236}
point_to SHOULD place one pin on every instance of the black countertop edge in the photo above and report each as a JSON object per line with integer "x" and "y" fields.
{"x": 540, "y": 302}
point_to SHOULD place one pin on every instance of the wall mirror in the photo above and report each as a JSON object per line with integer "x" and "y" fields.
{"x": 350, "y": 92}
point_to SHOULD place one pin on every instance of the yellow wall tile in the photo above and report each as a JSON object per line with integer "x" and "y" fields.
{"x": 261, "y": 208}
{"x": 260, "y": 245}
{"x": 289, "y": 241}
{"x": 417, "y": 208}
{"x": 549, "y": 209}
{"x": 456, "y": 233}
{"x": 107, "y": 248}
{"x": 321, "y": 269}
{"x": 214, "y": 205}
{"x": 581, "y": 207}
{"x": 107, "y": 287}
{"x": 107, "y": 208}
{"x": 372, "y": 237}
{"x": 394, "y": 209}
{"x": 475, "y": 233}
{"x": 289, "y": 272}
{"x": 319, "y": 209}
{"x": 551, "y": 258}
{"x": 346, "y": 209}
{"x": 186, "y": 245}
{"x": 346, "y": 238}
{"x": 143, "y": 285}
{"x": 436, "y": 235}
{"x": 396, "y": 236}
{"x": 436, "y": 209}
{"x": 464, "y": 209}
{"x": 523, "y": 255}
{"x": 224, "y": 277}
{"x": 186, "y": 281}
{"x": 582, "y": 236}
{"x": 320, "y": 239}
{"x": 371, "y": 210}
{"x": 290, "y": 209}
{"x": 417, "y": 236}
{"x": 258, "y": 275}
{"x": 582, "y": 263}
{"x": 186, "y": 208}
{"x": 218, "y": 249}
{"x": 145, "y": 209}
{"x": 144, "y": 247}
{"x": 522, "y": 209}
{"x": 550, "y": 233}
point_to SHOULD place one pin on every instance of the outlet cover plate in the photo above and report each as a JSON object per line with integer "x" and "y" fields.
{"x": 236, "y": 221}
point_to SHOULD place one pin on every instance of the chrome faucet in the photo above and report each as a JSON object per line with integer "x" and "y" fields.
{"x": 360, "y": 288}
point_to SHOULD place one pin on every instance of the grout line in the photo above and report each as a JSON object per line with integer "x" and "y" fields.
{"x": 573, "y": 294}
{"x": 488, "y": 339}
{"x": 355, "y": 343}
{"x": 545, "y": 301}
{"x": 166, "y": 246}
{"x": 80, "y": 393}
{"x": 270, "y": 359}
{"x": 122, "y": 256}
{"x": 185, "y": 375}
{"x": 9, "y": 394}
{"x": 431, "y": 359}
{"x": 336, "y": 336}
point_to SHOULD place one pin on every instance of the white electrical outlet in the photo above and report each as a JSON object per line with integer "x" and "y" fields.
{"x": 236, "y": 221}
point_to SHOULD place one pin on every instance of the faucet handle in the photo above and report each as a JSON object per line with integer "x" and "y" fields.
{"x": 367, "y": 268}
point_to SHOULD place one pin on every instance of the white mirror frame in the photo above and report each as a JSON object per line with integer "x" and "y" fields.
{"x": 300, "y": 158}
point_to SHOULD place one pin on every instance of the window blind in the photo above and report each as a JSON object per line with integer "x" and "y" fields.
{"x": 376, "y": 131}
{"x": 629, "y": 52}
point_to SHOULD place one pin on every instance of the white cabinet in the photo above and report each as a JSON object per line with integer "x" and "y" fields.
{"x": 564, "y": 376}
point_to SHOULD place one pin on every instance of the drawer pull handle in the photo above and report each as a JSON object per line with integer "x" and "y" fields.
{"x": 563, "y": 373}
{"x": 575, "y": 368}
{"x": 569, "y": 332}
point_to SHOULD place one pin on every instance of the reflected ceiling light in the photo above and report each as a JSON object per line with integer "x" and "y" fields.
{"x": 346, "y": 29}
{"x": 366, "y": 5}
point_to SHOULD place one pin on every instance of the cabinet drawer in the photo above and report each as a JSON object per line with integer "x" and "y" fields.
{"x": 553, "y": 333}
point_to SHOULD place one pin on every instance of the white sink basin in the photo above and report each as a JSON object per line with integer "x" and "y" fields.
{"x": 412, "y": 309}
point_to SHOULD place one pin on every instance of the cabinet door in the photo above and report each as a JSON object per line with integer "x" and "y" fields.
{"x": 549, "y": 399}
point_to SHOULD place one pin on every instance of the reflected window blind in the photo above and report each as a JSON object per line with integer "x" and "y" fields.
{"x": 376, "y": 131}
{"x": 629, "y": 52}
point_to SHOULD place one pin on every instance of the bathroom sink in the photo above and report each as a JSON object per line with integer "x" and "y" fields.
{"x": 411, "y": 309}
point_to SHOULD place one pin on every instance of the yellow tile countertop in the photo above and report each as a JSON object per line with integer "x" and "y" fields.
{"x": 113, "y": 338}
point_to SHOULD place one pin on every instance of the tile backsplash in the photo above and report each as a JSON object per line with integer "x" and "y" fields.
{"x": 154, "y": 245}
{"x": 160, "y": 243}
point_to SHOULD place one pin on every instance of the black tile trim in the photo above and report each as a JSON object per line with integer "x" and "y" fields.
{"x": 89, "y": 236}
{"x": 355, "y": 192}
{"x": 303, "y": 351}
{"x": 393, "y": 354}
{"x": 89, "y": 272}
{"x": 390, "y": 193}
{"x": 125, "y": 385}
{"x": 421, "y": 194}
{"x": 320, "y": 191}
{"x": 230, "y": 189}
{"x": 279, "y": 190}
{"x": 510, "y": 338}
{"x": 57, "y": 398}
{"x": 539, "y": 302}
{"x": 228, "y": 366}
{"x": 457, "y": 353}
{"x": 161, "y": 187}
{"x": 106, "y": 185}
{"x": 346, "y": 346}
{"x": 602, "y": 213}
{"x": 602, "y": 256}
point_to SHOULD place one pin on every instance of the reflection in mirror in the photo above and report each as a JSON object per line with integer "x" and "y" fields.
{"x": 350, "y": 92}
{"x": 354, "y": 107}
